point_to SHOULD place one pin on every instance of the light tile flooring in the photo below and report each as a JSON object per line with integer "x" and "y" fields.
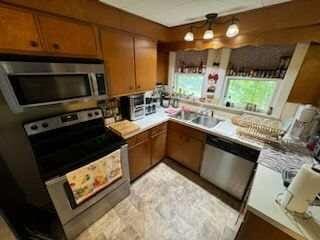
{"x": 164, "y": 204}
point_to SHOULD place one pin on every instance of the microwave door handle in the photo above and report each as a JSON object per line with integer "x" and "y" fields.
{"x": 93, "y": 84}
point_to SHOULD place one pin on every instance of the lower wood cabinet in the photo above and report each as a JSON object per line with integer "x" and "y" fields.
{"x": 254, "y": 228}
{"x": 185, "y": 145}
{"x": 146, "y": 149}
{"x": 139, "y": 158}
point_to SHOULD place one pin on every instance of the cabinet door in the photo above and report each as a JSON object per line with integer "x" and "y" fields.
{"x": 146, "y": 64}
{"x": 158, "y": 147}
{"x": 18, "y": 31}
{"x": 185, "y": 149}
{"x": 118, "y": 52}
{"x": 162, "y": 67}
{"x": 68, "y": 37}
{"x": 139, "y": 159}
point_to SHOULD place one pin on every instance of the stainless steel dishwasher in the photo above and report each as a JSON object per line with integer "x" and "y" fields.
{"x": 228, "y": 165}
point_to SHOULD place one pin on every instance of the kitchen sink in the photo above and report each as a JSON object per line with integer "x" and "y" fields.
{"x": 187, "y": 116}
{"x": 206, "y": 121}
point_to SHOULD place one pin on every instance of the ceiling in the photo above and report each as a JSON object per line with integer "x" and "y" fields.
{"x": 177, "y": 12}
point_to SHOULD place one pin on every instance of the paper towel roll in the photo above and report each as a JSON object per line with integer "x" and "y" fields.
{"x": 302, "y": 191}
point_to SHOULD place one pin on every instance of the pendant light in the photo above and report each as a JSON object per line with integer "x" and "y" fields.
{"x": 189, "y": 36}
{"x": 208, "y": 34}
{"x": 233, "y": 29}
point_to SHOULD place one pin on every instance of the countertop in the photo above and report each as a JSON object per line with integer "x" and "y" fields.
{"x": 224, "y": 129}
{"x": 267, "y": 185}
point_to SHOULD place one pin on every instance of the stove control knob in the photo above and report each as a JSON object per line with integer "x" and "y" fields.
{"x": 34, "y": 127}
{"x": 96, "y": 113}
{"x": 89, "y": 114}
{"x": 45, "y": 125}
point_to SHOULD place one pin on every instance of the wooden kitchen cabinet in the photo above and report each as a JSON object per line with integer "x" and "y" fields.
{"x": 162, "y": 67}
{"x": 68, "y": 37}
{"x": 254, "y": 228}
{"x": 18, "y": 31}
{"x": 158, "y": 143}
{"x": 145, "y": 63}
{"x": 139, "y": 154}
{"x": 118, "y": 52}
{"x": 185, "y": 145}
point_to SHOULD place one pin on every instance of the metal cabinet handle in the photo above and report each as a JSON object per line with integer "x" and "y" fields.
{"x": 34, "y": 43}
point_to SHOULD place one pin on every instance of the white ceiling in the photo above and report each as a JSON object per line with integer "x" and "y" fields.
{"x": 177, "y": 12}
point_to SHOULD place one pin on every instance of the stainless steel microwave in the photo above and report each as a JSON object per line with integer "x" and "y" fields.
{"x": 31, "y": 84}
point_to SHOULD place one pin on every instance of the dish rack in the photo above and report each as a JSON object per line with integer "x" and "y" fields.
{"x": 262, "y": 129}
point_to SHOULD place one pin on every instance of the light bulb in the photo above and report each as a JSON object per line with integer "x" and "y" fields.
{"x": 232, "y": 31}
{"x": 189, "y": 37}
{"x": 208, "y": 34}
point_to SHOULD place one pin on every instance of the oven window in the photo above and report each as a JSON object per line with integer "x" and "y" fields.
{"x": 33, "y": 89}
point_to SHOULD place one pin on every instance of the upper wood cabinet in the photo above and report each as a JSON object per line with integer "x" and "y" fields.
{"x": 306, "y": 87}
{"x": 145, "y": 63}
{"x": 162, "y": 67}
{"x": 18, "y": 31}
{"x": 68, "y": 37}
{"x": 118, "y": 54}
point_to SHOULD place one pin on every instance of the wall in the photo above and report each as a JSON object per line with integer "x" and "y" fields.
{"x": 15, "y": 148}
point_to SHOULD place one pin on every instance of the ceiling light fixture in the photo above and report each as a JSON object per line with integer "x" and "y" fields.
{"x": 189, "y": 36}
{"x": 232, "y": 31}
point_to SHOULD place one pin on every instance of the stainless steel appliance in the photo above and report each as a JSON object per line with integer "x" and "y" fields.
{"x": 30, "y": 84}
{"x": 151, "y": 105}
{"x": 68, "y": 142}
{"x": 133, "y": 107}
{"x": 228, "y": 165}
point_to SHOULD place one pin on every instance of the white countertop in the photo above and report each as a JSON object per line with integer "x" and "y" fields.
{"x": 267, "y": 185}
{"x": 224, "y": 129}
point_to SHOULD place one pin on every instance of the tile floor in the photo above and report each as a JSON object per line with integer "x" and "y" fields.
{"x": 166, "y": 204}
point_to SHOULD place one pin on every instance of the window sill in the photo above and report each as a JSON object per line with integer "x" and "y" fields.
{"x": 196, "y": 102}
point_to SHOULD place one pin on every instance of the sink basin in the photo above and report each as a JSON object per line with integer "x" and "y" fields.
{"x": 206, "y": 121}
{"x": 187, "y": 116}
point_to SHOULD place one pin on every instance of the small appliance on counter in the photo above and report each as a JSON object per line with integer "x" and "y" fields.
{"x": 133, "y": 107}
{"x": 151, "y": 105}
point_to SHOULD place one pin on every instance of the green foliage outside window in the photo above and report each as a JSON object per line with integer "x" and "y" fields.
{"x": 190, "y": 84}
{"x": 259, "y": 92}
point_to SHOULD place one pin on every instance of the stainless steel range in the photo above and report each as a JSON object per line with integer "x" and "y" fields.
{"x": 83, "y": 165}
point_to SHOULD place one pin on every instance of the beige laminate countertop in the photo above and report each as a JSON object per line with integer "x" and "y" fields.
{"x": 267, "y": 185}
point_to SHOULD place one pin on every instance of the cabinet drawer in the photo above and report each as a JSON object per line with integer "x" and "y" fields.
{"x": 187, "y": 131}
{"x": 158, "y": 129}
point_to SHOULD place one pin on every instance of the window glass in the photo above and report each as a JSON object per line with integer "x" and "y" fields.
{"x": 189, "y": 84}
{"x": 244, "y": 91}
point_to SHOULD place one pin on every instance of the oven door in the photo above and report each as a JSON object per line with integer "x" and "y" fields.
{"x": 63, "y": 200}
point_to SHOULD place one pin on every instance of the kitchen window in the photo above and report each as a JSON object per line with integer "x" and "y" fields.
{"x": 241, "y": 91}
{"x": 189, "y": 84}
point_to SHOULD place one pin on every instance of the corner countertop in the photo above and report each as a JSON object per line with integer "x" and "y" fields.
{"x": 267, "y": 185}
{"x": 224, "y": 129}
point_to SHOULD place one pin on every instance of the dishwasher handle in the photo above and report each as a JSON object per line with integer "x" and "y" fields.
{"x": 245, "y": 152}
